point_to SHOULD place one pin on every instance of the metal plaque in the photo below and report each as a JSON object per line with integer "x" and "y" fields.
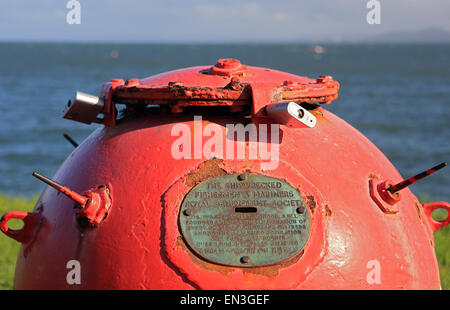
{"x": 244, "y": 220}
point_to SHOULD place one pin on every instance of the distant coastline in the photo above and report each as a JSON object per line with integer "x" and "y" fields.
{"x": 422, "y": 36}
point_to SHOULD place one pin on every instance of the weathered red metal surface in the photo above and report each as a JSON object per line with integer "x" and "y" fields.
{"x": 139, "y": 245}
{"x": 228, "y": 83}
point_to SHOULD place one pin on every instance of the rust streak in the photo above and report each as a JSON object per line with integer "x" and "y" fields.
{"x": 328, "y": 211}
{"x": 311, "y": 203}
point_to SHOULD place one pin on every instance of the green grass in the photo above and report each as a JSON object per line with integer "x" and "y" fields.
{"x": 442, "y": 246}
{"x": 9, "y": 248}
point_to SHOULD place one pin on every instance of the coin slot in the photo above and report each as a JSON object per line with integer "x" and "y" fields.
{"x": 246, "y": 210}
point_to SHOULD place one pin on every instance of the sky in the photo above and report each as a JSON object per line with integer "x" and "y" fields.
{"x": 215, "y": 21}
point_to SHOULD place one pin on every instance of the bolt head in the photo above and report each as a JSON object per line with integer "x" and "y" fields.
{"x": 132, "y": 82}
{"x": 228, "y": 63}
{"x": 324, "y": 78}
{"x": 300, "y": 210}
{"x": 242, "y": 177}
{"x": 187, "y": 212}
{"x": 289, "y": 83}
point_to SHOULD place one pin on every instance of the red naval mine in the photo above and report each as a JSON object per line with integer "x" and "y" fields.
{"x": 224, "y": 177}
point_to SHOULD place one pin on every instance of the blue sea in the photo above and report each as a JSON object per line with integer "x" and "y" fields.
{"x": 396, "y": 95}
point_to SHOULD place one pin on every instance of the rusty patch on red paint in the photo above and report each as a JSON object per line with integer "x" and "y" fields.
{"x": 328, "y": 211}
{"x": 274, "y": 270}
{"x": 311, "y": 203}
{"x": 234, "y": 84}
{"x": 316, "y": 112}
{"x": 418, "y": 206}
{"x": 180, "y": 91}
{"x": 208, "y": 169}
{"x": 201, "y": 262}
{"x": 418, "y": 211}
